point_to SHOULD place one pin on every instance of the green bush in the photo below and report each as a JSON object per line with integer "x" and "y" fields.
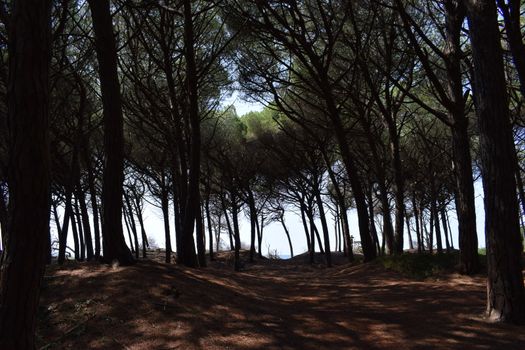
{"x": 421, "y": 265}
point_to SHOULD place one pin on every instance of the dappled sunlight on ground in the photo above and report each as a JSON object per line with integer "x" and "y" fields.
{"x": 270, "y": 305}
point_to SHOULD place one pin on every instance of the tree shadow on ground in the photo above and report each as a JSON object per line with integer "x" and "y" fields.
{"x": 276, "y": 305}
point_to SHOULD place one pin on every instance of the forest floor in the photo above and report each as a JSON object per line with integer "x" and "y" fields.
{"x": 271, "y": 304}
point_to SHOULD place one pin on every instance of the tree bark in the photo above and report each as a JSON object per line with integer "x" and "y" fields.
{"x": 192, "y": 201}
{"x": 505, "y": 290}
{"x": 166, "y": 216}
{"x": 114, "y": 245}
{"x": 23, "y": 262}
{"x": 324, "y": 225}
{"x": 132, "y": 223}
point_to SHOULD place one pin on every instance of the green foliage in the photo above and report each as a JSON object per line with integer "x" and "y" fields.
{"x": 259, "y": 123}
{"x": 421, "y": 265}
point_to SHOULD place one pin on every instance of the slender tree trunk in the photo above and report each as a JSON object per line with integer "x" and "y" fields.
{"x": 114, "y": 245}
{"x": 236, "y": 233}
{"x": 165, "y": 204}
{"x": 445, "y": 228}
{"x": 208, "y": 222}
{"x": 369, "y": 252}
{"x": 132, "y": 224}
{"x": 388, "y": 230}
{"x": 449, "y": 230}
{"x": 511, "y": 11}
{"x": 399, "y": 189}
{"x": 505, "y": 290}
{"x": 192, "y": 200}
{"x": 435, "y": 216}
{"x": 57, "y": 220}
{"x": 410, "y": 242}
{"x": 439, "y": 240}
{"x": 201, "y": 244}
{"x": 144, "y": 236}
{"x": 81, "y": 236}
{"x": 260, "y": 231}
{"x": 324, "y": 224}
{"x": 307, "y": 233}
{"x": 128, "y": 229}
{"x": 74, "y": 228}
{"x": 417, "y": 216}
{"x": 253, "y": 223}
{"x": 3, "y": 216}
{"x": 521, "y": 189}
{"x": 94, "y": 205}
{"x": 373, "y": 229}
{"x": 228, "y": 224}
{"x": 465, "y": 206}
{"x": 177, "y": 215}
{"x": 85, "y": 222}
{"x": 281, "y": 220}
{"x": 23, "y": 262}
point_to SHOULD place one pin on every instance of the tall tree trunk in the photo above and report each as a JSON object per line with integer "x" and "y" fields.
{"x": 236, "y": 234}
{"x": 128, "y": 229}
{"x": 399, "y": 189}
{"x": 177, "y": 215}
{"x": 74, "y": 228}
{"x": 93, "y": 201}
{"x": 445, "y": 228}
{"x": 144, "y": 236}
{"x": 307, "y": 233}
{"x": 465, "y": 208}
{"x": 417, "y": 216}
{"x": 208, "y": 222}
{"x": 388, "y": 230}
{"x": 260, "y": 230}
{"x": 369, "y": 252}
{"x": 253, "y": 223}
{"x": 228, "y": 224}
{"x": 281, "y": 220}
{"x": 410, "y": 242}
{"x": 324, "y": 225}
{"x": 505, "y": 290}
{"x": 23, "y": 262}
{"x": 373, "y": 229}
{"x": 165, "y": 204}
{"x": 439, "y": 240}
{"x": 3, "y": 216}
{"x": 132, "y": 223}
{"x": 81, "y": 237}
{"x": 511, "y": 11}
{"x": 85, "y": 222}
{"x": 57, "y": 220}
{"x": 114, "y": 245}
{"x": 192, "y": 201}
{"x": 201, "y": 243}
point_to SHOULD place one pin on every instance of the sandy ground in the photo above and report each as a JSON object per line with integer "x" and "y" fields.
{"x": 270, "y": 305}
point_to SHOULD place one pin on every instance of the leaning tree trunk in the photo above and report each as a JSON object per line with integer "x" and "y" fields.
{"x": 23, "y": 262}
{"x": 505, "y": 290}
{"x": 113, "y": 243}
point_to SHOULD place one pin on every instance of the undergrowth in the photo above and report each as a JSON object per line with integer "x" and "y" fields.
{"x": 421, "y": 265}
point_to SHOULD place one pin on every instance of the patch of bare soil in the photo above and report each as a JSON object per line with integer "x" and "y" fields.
{"x": 270, "y": 305}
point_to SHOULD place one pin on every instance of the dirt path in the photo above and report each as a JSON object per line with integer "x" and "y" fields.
{"x": 276, "y": 305}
